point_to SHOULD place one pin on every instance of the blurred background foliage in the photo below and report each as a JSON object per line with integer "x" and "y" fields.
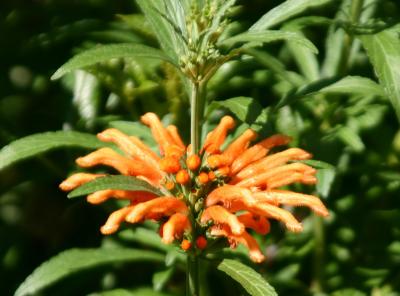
{"x": 354, "y": 252}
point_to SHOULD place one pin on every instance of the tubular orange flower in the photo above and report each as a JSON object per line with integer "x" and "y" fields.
{"x": 228, "y": 193}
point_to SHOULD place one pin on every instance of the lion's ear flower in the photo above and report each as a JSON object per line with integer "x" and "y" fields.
{"x": 227, "y": 193}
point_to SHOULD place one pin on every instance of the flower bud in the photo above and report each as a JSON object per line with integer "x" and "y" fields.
{"x": 186, "y": 245}
{"x": 182, "y": 177}
{"x": 193, "y": 162}
{"x": 201, "y": 242}
{"x": 170, "y": 165}
{"x": 203, "y": 178}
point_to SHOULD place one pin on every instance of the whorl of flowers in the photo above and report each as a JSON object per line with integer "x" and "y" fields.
{"x": 217, "y": 193}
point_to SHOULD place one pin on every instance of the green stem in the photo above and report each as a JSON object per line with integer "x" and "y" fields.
{"x": 192, "y": 275}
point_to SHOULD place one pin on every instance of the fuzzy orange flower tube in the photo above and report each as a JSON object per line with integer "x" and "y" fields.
{"x": 217, "y": 194}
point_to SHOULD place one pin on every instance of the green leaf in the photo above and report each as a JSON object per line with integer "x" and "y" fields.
{"x": 104, "y": 53}
{"x": 354, "y": 85}
{"x": 76, "y": 260}
{"x": 161, "y": 278}
{"x": 318, "y": 164}
{"x": 255, "y": 38}
{"x": 142, "y": 291}
{"x": 114, "y": 182}
{"x": 145, "y": 237}
{"x": 285, "y": 11}
{"x": 383, "y": 51}
{"x": 350, "y": 138}
{"x": 244, "y": 108}
{"x": 325, "y": 179}
{"x": 39, "y": 143}
{"x": 250, "y": 280}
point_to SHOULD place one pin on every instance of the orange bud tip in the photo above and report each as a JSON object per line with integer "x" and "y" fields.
{"x": 182, "y": 177}
{"x": 201, "y": 242}
{"x": 169, "y": 185}
{"x": 211, "y": 176}
{"x": 186, "y": 245}
{"x": 193, "y": 162}
{"x": 223, "y": 171}
{"x": 203, "y": 178}
{"x": 170, "y": 165}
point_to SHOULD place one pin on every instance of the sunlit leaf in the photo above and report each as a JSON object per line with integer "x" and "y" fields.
{"x": 39, "y": 143}
{"x": 114, "y": 182}
{"x": 244, "y": 108}
{"x": 383, "y": 51}
{"x": 285, "y": 11}
{"x": 75, "y": 260}
{"x": 161, "y": 278}
{"x": 325, "y": 179}
{"x": 255, "y": 38}
{"x": 104, "y": 53}
{"x": 248, "y": 278}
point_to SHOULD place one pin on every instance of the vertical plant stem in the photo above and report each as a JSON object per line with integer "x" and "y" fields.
{"x": 317, "y": 286}
{"x": 196, "y": 114}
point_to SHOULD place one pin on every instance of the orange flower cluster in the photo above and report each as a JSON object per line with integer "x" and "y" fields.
{"x": 218, "y": 193}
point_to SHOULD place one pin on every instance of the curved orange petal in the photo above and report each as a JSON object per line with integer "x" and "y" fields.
{"x": 129, "y": 167}
{"x": 272, "y": 161}
{"x": 128, "y": 146}
{"x": 173, "y": 131}
{"x": 156, "y": 208}
{"x": 144, "y": 147}
{"x": 258, "y": 151}
{"x": 257, "y": 223}
{"x": 219, "y": 215}
{"x": 294, "y": 199}
{"x": 262, "y": 178}
{"x": 114, "y": 220}
{"x": 228, "y": 195}
{"x": 77, "y": 180}
{"x": 134, "y": 196}
{"x": 239, "y": 145}
{"x": 161, "y": 135}
{"x": 245, "y": 238}
{"x": 216, "y": 138}
{"x": 271, "y": 211}
{"x": 174, "y": 228}
{"x": 287, "y": 178}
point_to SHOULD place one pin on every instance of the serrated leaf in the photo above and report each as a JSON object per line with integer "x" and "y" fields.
{"x": 244, "y": 108}
{"x": 75, "y": 260}
{"x": 114, "y": 182}
{"x": 39, "y": 143}
{"x": 104, "y": 53}
{"x": 255, "y": 38}
{"x": 250, "y": 280}
{"x": 384, "y": 54}
{"x": 285, "y": 11}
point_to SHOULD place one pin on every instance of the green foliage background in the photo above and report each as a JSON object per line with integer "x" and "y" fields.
{"x": 332, "y": 104}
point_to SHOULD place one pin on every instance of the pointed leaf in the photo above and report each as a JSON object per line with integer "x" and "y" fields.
{"x": 268, "y": 36}
{"x": 39, "y": 143}
{"x": 354, "y": 85}
{"x": 250, "y": 280}
{"x": 76, "y": 260}
{"x": 161, "y": 278}
{"x": 383, "y": 51}
{"x": 106, "y": 52}
{"x": 244, "y": 108}
{"x": 285, "y": 11}
{"x": 114, "y": 182}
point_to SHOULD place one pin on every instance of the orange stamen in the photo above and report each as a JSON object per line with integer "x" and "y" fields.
{"x": 220, "y": 215}
{"x": 216, "y": 138}
{"x": 193, "y": 162}
{"x": 174, "y": 228}
{"x": 77, "y": 180}
{"x": 182, "y": 177}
